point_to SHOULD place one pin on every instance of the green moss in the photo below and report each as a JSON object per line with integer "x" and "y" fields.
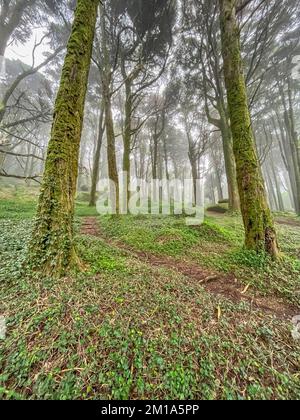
{"x": 106, "y": 332}
{"x": 52, "y": 249}
{"x": 259, "y": 227}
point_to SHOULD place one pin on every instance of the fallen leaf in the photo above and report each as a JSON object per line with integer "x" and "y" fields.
{"x": 246, "y": 289}
{"x": 219, "y": 313}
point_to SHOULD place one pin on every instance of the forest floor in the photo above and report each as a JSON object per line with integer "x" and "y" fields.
{"x": 162, "y": 310}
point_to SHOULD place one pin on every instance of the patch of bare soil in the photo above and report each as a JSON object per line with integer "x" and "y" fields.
{"x": 214, "y": 213}
{"x": 90, "y": 227}
{"x": 218, "y": 284}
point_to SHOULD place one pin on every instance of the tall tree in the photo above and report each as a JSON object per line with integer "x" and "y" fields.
{"x": 258, "y": 222}
{"x": 12, "y": 15}
{"x": 145, "y": 38}
{"x": 18, "y": 17}
{"x": 96, "y": 163}
{"x": 203, "y": 54}
{"x": 107, "y": 74}
{"x": 52, "y": 249}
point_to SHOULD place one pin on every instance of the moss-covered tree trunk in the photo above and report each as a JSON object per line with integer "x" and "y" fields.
{"x": 127, "y": 140}
{"x": 96, "y": 164}
{"x": 258, "y": 222}
{"x": 52, "y": 249}
{"x": 233, "y": 193}
{"x": 223, "y": 125}
{"x": 109, "y": 124}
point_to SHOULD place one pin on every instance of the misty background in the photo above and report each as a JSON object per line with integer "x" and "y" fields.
{"x": 177, "y": 96}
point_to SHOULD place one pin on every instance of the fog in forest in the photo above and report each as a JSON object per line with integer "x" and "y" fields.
{"x": 149, "y": 202}
{"x": 168, "y": 97}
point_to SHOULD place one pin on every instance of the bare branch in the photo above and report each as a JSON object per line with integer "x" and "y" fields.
{"x": 25, "y": 178}
{"x": 22, "y": 155}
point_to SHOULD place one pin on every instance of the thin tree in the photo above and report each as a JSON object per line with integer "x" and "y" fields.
{"x": 52, "y": 249}
{"x": 96, "y": 163}
{"x": 109, "y": 123}
{"x": 11, "y": 15}
{"x": 257, "y": 217}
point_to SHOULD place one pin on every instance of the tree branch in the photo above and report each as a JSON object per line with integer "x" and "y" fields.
{"x": 26, "y": 178}
{"x": 22, "y": 155}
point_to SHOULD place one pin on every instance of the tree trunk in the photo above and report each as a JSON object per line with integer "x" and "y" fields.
{"x": 223, "y": 125}
{"x": 270, "y": 187}
{"x": 290, "y": 124}
{"x": 233, "y": 192}
{"x": 219, "y": 186}
{"x": 218, "y": 177}
{"x": 194, "y": 167}
{"x": 96, "y": 165}
{"x": 291, "y": 145}
{"x": 109, "y": 124}
{"x": 286, "y": 153}
{"x": 155, "y": 158}
{"x": 52, "y": 249}
{"x": 10, "y": 18}
{"x": 166, "y": 158}
{"x": 3, "y": 43}
{"x": 277, "y": 185}
{"x": 257, "y": 217}
{"x": 212, "y": 189}
{"x": 127, "y": 140}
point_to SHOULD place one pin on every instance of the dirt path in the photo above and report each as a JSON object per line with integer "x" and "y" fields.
{"x": 223, "y": 285}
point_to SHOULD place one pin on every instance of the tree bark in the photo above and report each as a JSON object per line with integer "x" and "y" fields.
{"x": 166, "y": 158}
{"x": 295, "y": 144}
{"x": 276, "y": 184}
{"x": 291, "y": 144}
{"x": 52, "y": 250}
{"x": 270, "y": 187}
{"x": 10, "y": 20}
{"x": 109, "y": 124}
{"x": 223, "y": 125}
{"x": 127, "y": 139}
{"x": 212, "y": 189}
{"x": 219, "y": 187}
{"x": 286, "y": 153}
{"x": 96, "y": 165}
{"x": 155, "y": 158}
{"x": 233, "y": 192}
{"x": 260, "y": 232}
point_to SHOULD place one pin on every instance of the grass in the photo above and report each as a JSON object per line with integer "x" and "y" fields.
{"x": 215, "y": 245}
{"x": 125, "y": 329}
{"x": 17, "y": 204}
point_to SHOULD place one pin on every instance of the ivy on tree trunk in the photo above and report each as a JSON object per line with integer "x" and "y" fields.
{"x": 96, "y": 165}
{"x": 51, "y": 250}
{"x": 257, "y": 217}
